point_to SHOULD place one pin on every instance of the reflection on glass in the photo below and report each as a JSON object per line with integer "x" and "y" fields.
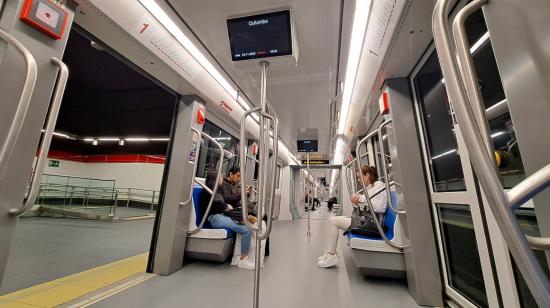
{"x": 446, "y": 170}
{"x": 528, "y": 224}
{"x": 461, "y": 252}
{"x": 507, "y": 154}
{"x": 209, "y": 154}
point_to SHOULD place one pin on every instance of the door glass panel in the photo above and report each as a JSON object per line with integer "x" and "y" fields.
{"x": 528, "y": 224}
{"x": 461, "y": 252}
{"x": 502, "y": 132}
{"x": 445, "y": 167}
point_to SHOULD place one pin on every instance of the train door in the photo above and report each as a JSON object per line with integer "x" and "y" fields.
{"x": 478, "y": 269}
{"x": 29, "y": 66}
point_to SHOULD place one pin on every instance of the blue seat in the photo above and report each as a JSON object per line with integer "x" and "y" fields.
{"x": 197, "y": 189}
{"x": 389, "y": 222}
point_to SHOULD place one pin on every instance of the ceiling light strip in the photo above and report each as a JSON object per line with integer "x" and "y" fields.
{"x": 358, "y": 31}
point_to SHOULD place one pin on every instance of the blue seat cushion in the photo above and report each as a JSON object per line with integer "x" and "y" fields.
{"x": 389, "y": 222}
{"x": 199, "y": 214}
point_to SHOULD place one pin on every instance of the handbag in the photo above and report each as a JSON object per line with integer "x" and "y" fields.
{"x": 363, "y": 223}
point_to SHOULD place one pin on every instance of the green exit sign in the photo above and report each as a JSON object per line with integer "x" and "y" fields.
{"x": 53, "y": 163}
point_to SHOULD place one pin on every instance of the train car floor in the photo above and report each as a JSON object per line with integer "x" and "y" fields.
{"x": 290, "y": 279}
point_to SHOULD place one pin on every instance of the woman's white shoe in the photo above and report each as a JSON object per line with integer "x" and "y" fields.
{"x": 329, "y": 261}
{"x": 246, "y": 264}
{"x": 324, "y": 256}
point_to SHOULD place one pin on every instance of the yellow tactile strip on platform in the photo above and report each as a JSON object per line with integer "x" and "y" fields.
{"x": 62, "y": 290}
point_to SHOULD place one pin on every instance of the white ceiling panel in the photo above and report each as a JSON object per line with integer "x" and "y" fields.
{"x": 300, "y": 94}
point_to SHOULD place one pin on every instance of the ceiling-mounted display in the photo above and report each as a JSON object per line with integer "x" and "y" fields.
{"x": 307, "y": 146}
{"x": 260, "y": 36}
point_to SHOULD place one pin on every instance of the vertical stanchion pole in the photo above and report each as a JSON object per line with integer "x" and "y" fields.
{"x": 308, "y": 199}
{"x": 152, "y": 202}
{"x": 262, "y": 187}
{"x": 128, "y": 201}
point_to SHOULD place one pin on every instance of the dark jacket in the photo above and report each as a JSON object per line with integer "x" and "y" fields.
{"x": 231, "y": 193}
{"x": 218, "y": 206}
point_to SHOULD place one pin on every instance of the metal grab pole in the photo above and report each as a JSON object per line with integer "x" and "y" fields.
{"x": 214, "y": 191}
{"x": 308, "y": 200}
{"x": 497, "y": 198}
{"x": 366, "y": 192}
{"x": 262, "y": 181}
{"x": 265, "y": 182}
{"x": 385, "y": 169}
{"x": 46, "y": 139}
{"x": 541, "y": 178}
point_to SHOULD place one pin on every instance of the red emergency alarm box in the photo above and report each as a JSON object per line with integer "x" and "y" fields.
{"x": 45, "y": 16}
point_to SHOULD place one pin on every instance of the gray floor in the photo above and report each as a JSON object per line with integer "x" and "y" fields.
{"x": 45, "y": 249}
{"x": 290, "y": 279}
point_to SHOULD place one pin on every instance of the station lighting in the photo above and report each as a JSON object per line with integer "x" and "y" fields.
{"x": 484, "y": 38}
{"x": 108, "y": 139}
{"x": 358, "y": 30}
{"x": 137, "y": 139}
{"x": 444, "y": 154}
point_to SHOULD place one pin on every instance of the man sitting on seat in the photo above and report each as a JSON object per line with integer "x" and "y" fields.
{"x": 231, "y": 188}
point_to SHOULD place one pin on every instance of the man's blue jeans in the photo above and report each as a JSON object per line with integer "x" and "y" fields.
{"x": 220, "y": 221}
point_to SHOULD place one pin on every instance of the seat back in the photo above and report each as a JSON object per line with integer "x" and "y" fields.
{"x": 197, "y": 189}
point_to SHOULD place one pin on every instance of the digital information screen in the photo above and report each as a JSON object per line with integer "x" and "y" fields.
{"x": 307, "y": 146}
{"x": 260, "y": 36}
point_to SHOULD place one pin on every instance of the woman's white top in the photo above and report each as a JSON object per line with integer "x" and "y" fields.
{"x": 380, "y": 201}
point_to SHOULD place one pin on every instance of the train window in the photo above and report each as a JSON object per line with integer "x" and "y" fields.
{"x": 500, "y": 122}
{"x": 209, "y": 154}
{"x": 444, "y": 159}
{"x": 461, "y": 252}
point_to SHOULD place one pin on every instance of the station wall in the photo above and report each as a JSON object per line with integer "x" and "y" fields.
{"x": 142, "y": 175}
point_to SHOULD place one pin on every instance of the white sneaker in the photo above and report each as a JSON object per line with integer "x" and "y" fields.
{"x": 329, "y": 261}
{"x": 246, "y": 264}
{"x": 324, "y": 256}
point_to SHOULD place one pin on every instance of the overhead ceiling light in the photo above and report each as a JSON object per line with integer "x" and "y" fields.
{"x": 444, "y": 154}
{"x": 484, "y": 38}
{"x": 360, "y": 21}
{"x": 137, "y": 139}
{"x": 88, "y": 139}
{"x": 61, "y": 135}
{"x": 159, "y": 139}
{"x": 176, "y": 32}
{"x": 108, "y": 139}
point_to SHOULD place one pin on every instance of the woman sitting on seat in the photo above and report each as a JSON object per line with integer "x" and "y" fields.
{"x": 379, "y": 202}
{"x": 218, "y": 220}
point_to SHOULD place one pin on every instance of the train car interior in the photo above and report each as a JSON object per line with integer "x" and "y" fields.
{"x": 274, "y": 153}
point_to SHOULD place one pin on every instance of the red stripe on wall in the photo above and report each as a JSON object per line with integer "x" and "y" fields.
{"x": 118, "y": 158}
